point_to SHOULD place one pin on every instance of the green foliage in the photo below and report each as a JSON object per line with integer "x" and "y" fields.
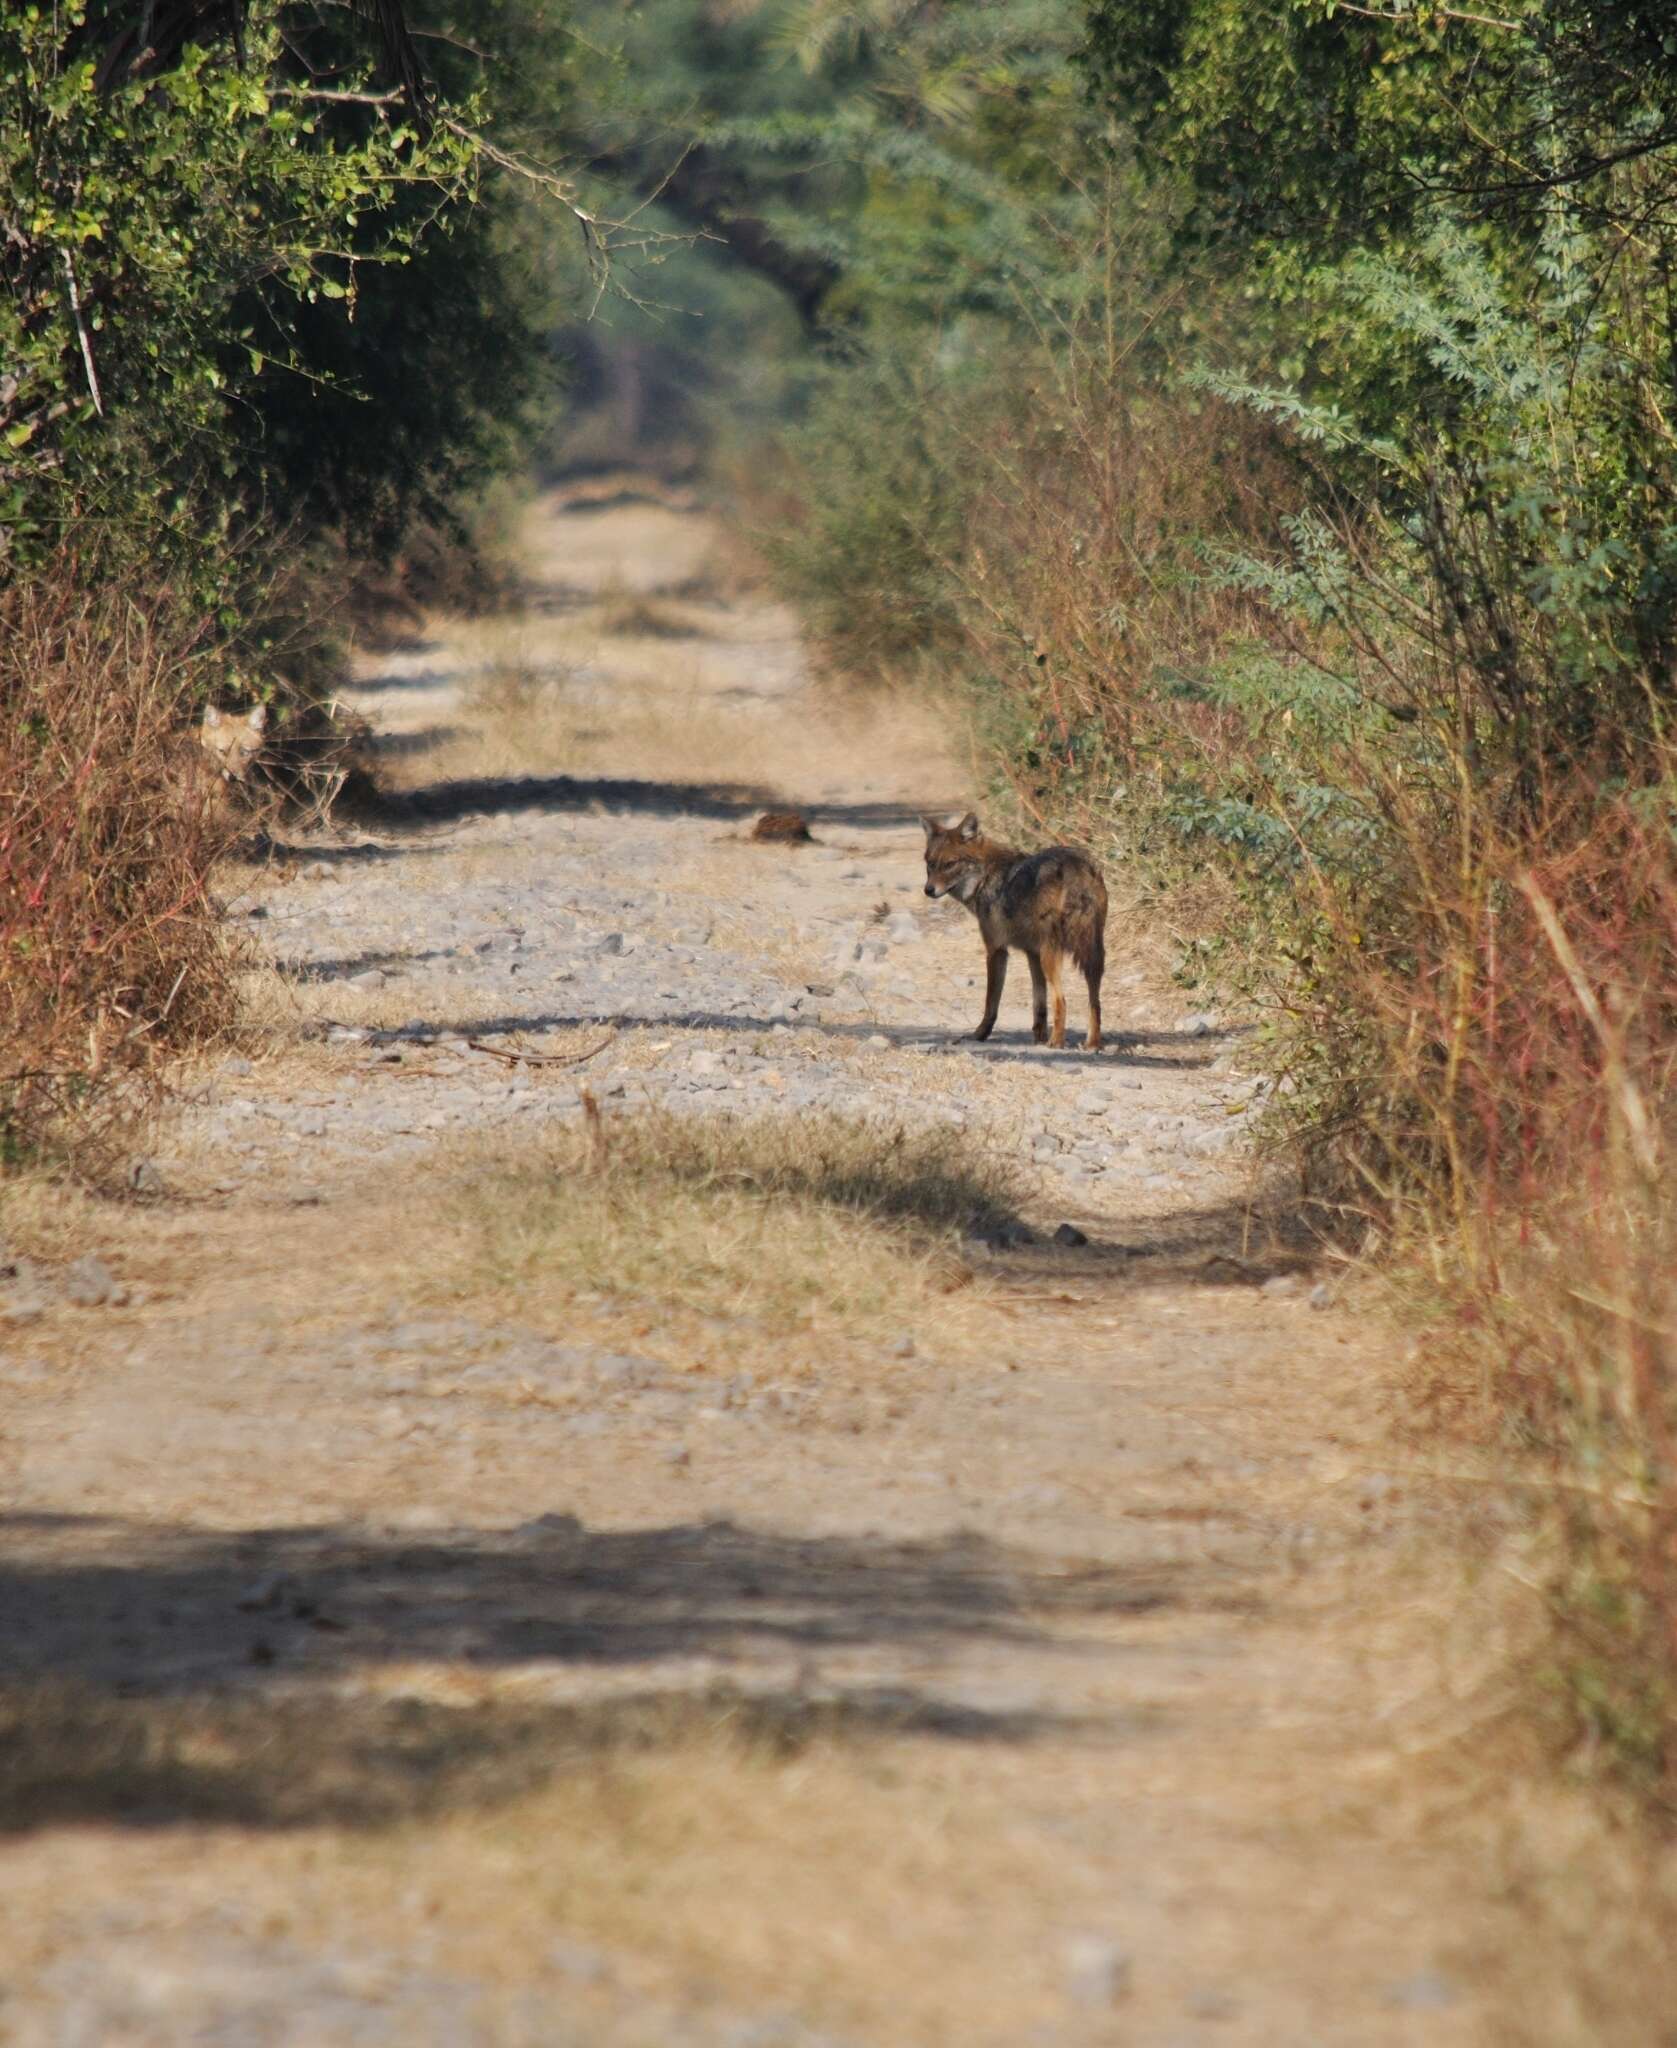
{"x": 869, "y": 560}
{"x": 1473, "y": 218}
{"x": 1313, "y": 127}
{"x": 425, "y": 381}
{"x": 136, "y": 215}
{"x": 883, "y": 166}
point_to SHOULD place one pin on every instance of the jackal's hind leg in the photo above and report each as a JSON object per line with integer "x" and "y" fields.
{"x": 1092, "y": 972}
{"x": 1039, "y": 998}
{"x": 1053, "y": 965}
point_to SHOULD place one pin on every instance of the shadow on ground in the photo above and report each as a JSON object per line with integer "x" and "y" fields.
{"x": 441, "y": 803}
{"x": 154, "y": 1675}
{"x": 1165, "y": 1049}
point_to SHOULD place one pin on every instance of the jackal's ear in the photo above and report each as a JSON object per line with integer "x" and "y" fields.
{"x": 211, "y": 718}
{"x": 968, "y": 827}
{"x": 930, "y": 826}
{"x": 258, "y": 719}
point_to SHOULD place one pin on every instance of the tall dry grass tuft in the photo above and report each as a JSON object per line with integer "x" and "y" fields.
{"x": 814, "y": 1222}
{"x": 1523, "y": 1017}
{"x": 112, "y": 816}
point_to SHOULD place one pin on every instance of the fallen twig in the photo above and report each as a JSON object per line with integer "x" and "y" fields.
{"x": 540, "y": 1059}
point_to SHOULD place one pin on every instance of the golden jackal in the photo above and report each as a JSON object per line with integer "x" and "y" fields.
{"x": 231, "y": 740}
{"x": 1051, "y": 905}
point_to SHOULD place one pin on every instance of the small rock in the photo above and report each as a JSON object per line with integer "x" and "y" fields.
{"x": 1426, "y": 1991}
{"x": 1321, "y": 1295}
{"x": 1201, "y": 1025}
{"x": 416, "y": 1520}
{"x": 877, "y": 1040}
{"x": 144, "y": 1178}
{"x": 369, "y": 977}
{"x": 546, "y": 1527}
{"x": 26, "y": 1372}
{"x": 1092, "y": 1103}
{"x": 1098, "y": 1970}
{"x": 1069, "y": 1234}
{"x": 579, "y": 1962}
{"x": 238, "y": 1066}
{"x": 312, "y": 1125}
{"x": 1280, "y": 1284}
{"x": 317, "y": 871}
{"x": 89, "y": 1283}
{"x": 264, "y": 1595}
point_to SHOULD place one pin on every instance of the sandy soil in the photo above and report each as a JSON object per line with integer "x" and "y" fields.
{"x": 388, "y": 1655}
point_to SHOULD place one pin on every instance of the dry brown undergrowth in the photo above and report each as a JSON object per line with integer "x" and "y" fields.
{"x": 111, "y": 953}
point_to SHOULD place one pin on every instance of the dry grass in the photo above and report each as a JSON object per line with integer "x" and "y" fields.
{"x": 71, "y": 1752}
{"x": 1521, "y": 1017}
{"x": 110, "y": 952}
{"x": 795, "y": 1223}
{"x": 698, "y": 1841}
{"x": 718, "y": 1865}
{"x": 47, "y": 1216}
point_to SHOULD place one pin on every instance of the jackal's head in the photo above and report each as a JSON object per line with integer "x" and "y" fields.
{"x": 231, "y": 740}
{"x": 954, "y": 858}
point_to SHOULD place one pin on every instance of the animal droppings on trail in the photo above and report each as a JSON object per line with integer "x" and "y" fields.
{"x": 783, "y": 828}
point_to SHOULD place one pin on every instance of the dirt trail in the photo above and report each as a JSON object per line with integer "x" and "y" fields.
{"x": 416, "y": 1669}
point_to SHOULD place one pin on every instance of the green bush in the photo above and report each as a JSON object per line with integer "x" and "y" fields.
{"x": 882, "y": 482}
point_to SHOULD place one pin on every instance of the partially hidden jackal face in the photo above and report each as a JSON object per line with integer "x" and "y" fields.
{"x": 231, "y": 741}
{"x": 954, "y": 858}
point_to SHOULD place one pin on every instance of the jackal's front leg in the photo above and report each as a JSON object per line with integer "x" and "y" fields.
{"x": 995, "y": 974}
